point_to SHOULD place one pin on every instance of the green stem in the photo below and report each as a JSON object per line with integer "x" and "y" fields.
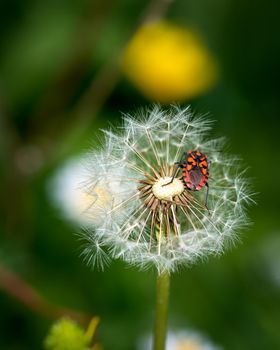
{"x": 163, "y": 282}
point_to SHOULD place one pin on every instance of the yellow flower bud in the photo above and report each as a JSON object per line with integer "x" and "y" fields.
{"x": 66, "y": 335}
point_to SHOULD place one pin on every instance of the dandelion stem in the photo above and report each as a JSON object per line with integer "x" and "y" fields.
{"x": 163, "y": 282}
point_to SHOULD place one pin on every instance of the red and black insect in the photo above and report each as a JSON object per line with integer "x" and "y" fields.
{"x": 195, "y": 167}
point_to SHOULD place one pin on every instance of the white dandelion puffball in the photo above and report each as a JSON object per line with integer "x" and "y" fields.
{"x": 182, "y": 340}
{"x": 152, "y": 220}
{"x": 188, "y": 340}
{"x": 80, "y": 204}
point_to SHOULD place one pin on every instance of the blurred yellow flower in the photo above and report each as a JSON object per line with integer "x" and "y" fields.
{"x": 168, "y": 63}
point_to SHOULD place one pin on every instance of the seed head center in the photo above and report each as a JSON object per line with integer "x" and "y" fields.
{"x": 175, "y": 188}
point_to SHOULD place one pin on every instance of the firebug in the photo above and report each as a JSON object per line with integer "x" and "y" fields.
{"x": 195, "y": 168}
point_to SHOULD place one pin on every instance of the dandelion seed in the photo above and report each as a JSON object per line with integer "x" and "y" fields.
{"x": 151, "y": 221}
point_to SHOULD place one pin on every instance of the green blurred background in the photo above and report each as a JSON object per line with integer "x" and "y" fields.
{"x": 60, "y": 82}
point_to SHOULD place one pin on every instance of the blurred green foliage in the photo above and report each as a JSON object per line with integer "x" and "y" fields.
{"x": 51, "y": 52}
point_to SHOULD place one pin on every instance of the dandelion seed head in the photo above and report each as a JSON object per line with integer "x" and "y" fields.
{"x": 163, "y": 189}
{"x": 143, "y": 217}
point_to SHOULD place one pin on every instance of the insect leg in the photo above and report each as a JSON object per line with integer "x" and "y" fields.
{"x": 178, "y": 165}
{"x": 206, "y": 197}
{"x": 174, "y": 173}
